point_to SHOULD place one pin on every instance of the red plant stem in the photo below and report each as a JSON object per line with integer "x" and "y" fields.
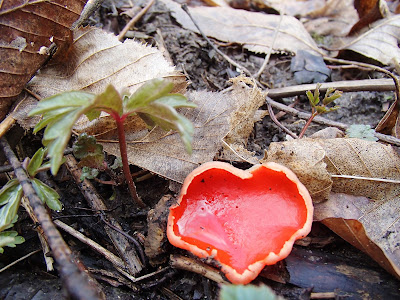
{"x": 303, "y": 131}
{"x": 124, "y": 156}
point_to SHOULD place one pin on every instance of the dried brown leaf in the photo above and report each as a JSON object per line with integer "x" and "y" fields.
{"x": 97, "y": 59}
{"x": 334, "y": 19}
{"x": 367, "y": 225}
{"x": 249, "y": 99}
{"x": 252, "y": 29}
{"x": 27, "y": 30}
{"x": 368, "y": 170}
{"x": 380, "y": 43}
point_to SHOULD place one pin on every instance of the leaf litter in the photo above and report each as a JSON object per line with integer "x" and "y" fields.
{"x": 208, "y": 116}
{"x": 323, "y": 166}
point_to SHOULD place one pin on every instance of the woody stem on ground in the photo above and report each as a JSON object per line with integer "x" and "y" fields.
{"x": 124, "y": 157}
{"x": 79, "y": 284}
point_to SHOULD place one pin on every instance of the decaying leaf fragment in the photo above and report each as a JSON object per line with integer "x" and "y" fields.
{"x": 254, "y": 30}
{"x": 28, "y": 29}
{"x": 379, "y": 43}
{"x": 249, "y": 98}
{"x": 367, "y": 225}
{"x": 367, "y": 176}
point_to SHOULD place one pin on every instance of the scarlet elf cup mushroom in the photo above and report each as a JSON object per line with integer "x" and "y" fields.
{"x": 244, "y": 219}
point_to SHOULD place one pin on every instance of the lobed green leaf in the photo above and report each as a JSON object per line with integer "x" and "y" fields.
{"x": 10, "y": 198}
{"x": 36, "y": 161}
{"x": 10, "y": 239}
{"x": 48, "y": 195}
{"x": 63, "y": 100}
{"x": 169, "y": 119}
{"x": 109, "y": 100}
{"x": 147, "y": 93}
{"x": 248, "y": 292}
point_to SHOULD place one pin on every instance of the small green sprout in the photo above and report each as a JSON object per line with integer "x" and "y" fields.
{"x": 319, "y": 107}
{"x": 11, "y": 195}
{"x": 153, "y": 102}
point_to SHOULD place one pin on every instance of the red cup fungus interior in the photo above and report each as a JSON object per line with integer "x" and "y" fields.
{"x": 244, "y": 219}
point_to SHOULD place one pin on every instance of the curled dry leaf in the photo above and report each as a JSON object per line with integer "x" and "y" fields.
{"x": 28, "y": 30}
{"x": 374, "y": 179}
{"x": 380, "y": 43}
{"x": 254, "y": 30}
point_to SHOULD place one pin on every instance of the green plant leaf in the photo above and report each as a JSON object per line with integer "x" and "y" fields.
{"x": 63, "y": 100}
{"x": 148, "y": 92}
{"x": 48, "y": 195}
{"x": 36, "y": 161}
{"x": 117, "y": 163}
{"x": 89, "y": 173}
{"x": 169, "y": 119}
{"x": 93, "y": 114}
{"x": 176, "y": 101}
{"x": 88, "y": 151}
{"x": 57, "y": 135}
{"x": 10, "y": 199}
{"x": 310, "y": 97}
{"x": 331, "y": 98}
{"x": 109, "y": 100}
{"x": 10, "y": 239}
{"x": 248, "y": 292}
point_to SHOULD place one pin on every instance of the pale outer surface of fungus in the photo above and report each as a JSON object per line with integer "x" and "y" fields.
{"x": 271, "y": 258}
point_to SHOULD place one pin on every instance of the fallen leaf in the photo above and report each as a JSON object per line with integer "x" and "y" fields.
{"x": 28, "y": 30}
{"x": 368, "y": 171}
{"x": 334, "y": 19}
{"x": 249, "y": 98}
{"x": 380, "y": 43}
{"x": 369, "y": 11}
{"x": 254, "y": 30}
{"x": 367, "y": 225}
{"x": 96, "y": 59}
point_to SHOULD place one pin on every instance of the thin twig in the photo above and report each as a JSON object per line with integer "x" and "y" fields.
{"x": 373, "y": 68}
{"x": 193, "y": 265}
{"x": 275, "y": 120}
{"x": 382, "y": 85}
{"x": 321, "y": 120}
{"x": 115, "y": 260}
{"x": 129, "y": 237}
{"x": 90, "y": 7}
{"x": 78, "y": 283}
{"x": 45, "y": 245}
{"x": 267, "y": 57}
{"x": 227, "y": 58}
{"x": 134, "y": 20}
{"x": 366, "y": 178}
{"x": 19, "y": 259}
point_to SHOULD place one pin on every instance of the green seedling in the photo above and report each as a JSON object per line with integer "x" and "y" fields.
{"x": 11, "y": 195}
{"x": 319, "y": 107}
{"x": 153, "y": 102}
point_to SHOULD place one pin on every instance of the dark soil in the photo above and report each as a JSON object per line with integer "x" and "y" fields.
{"x": 327, "y": 264}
